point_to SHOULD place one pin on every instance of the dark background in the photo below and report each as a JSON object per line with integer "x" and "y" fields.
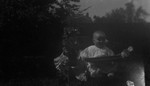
{"x": 32, "y": 31}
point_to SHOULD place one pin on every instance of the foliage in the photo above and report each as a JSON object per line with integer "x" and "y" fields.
{"x": 125, "y": 15}
{"x": 27, "y": 25}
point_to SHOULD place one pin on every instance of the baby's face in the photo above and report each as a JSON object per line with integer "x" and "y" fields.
{"x": 99, "y": 42}
{"x": 99, "y": 39}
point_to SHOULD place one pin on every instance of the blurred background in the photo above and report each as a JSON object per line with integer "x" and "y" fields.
{"x": 33, "y": 32}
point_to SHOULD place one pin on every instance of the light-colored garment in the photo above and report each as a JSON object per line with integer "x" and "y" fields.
{"x": 94, "y": 52}
{"x": 61, "y": 61}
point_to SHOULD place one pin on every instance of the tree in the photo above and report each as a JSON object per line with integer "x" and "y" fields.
{"x": 135, "y": 15}
{"x": 31, "y": 24}
{"x": 117, "y": 15}
{"x": 72, "y": 21}
{"x": 129, "y": 14}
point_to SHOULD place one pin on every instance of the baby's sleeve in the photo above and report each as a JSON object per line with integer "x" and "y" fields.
{"x": 84, "y": 53}
{"x": 110, "y": 52}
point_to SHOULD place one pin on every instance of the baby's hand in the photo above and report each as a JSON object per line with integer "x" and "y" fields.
{"x": 125, "y": 53}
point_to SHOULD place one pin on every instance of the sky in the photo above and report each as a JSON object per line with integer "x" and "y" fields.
{"x": 100, "y": 7}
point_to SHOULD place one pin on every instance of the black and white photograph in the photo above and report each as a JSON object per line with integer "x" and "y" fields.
{"x": 74, "y": 42}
